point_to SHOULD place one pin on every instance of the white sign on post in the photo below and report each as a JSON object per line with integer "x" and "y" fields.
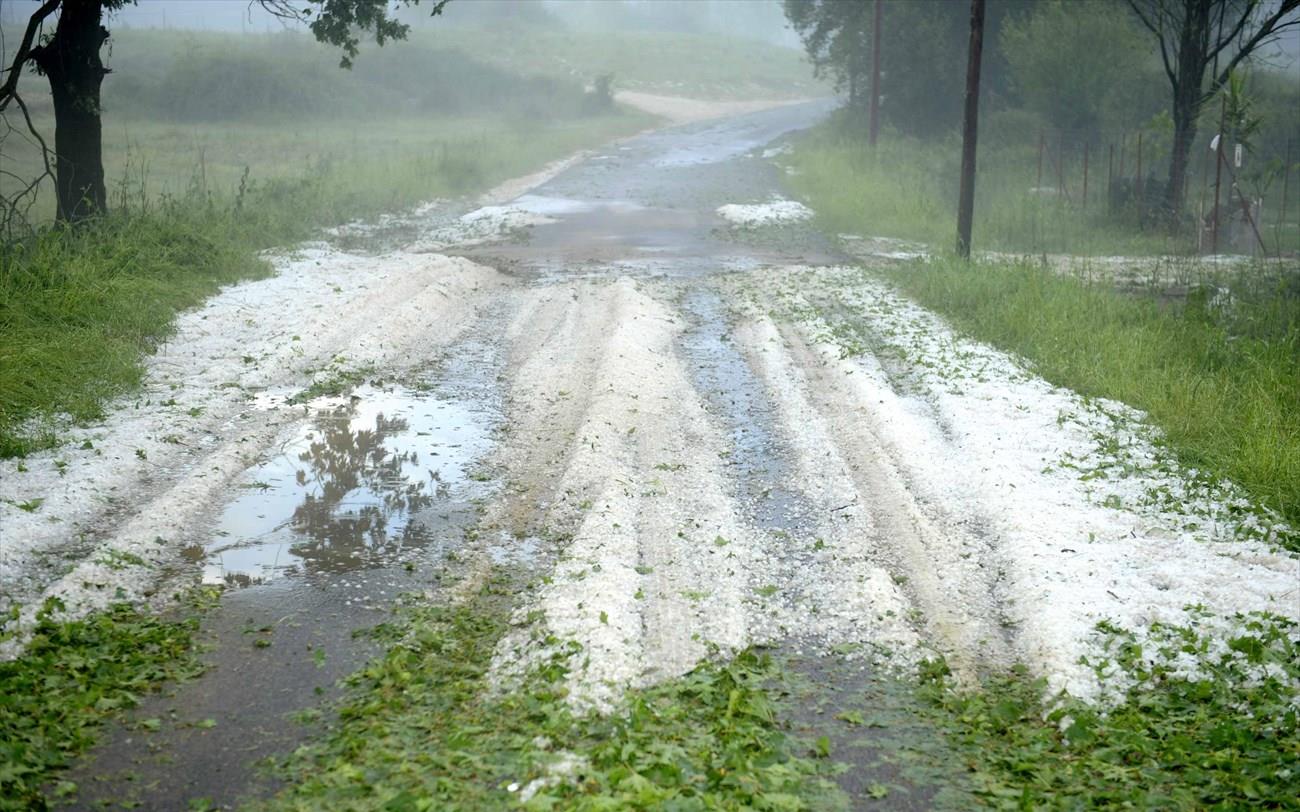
{"x": 1236, "y": 156}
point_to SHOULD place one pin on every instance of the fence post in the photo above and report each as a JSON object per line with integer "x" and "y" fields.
{"x": 1060, "y": 165}
{"x": 1286, "y": 177}
{"x": 1218, "y": 176}
{"x": 1200, "y": 225}
{"x": 1086, "y": 145}
{"x": 1142, "y": 203}
{"x": 1038, "y": 184}
{"x": 1110, "y": 177}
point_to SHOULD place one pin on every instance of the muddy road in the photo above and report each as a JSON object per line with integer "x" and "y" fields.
{"x": 706, "y": 432}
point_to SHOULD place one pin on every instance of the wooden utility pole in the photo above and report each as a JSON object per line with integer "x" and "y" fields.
{"x": 1286, "y": 182}
{"x": 1086, "y": 146}
{"x": 875, "y": 76}
{"x": 1141, "y": 196}
{"x": 1038, "y": 182}
{"x": 1218, "y": 174}
{"x": 970, "y": 130}
{"x": 1110, "y": 175}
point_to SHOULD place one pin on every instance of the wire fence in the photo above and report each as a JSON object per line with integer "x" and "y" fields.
{"x": 1236, "y": 201}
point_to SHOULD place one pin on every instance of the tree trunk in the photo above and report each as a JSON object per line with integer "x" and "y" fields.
{"x": 1184, "y": 134}
{"x": 70, "y": 60}
{"x": 1188, "y": 81}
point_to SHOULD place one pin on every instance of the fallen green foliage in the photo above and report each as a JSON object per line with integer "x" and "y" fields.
{"x": 1222, "y": 385}
{"x": 1203, "y": 725}
{"x": 71, "y": 678}
{"x": 424, "y": 729}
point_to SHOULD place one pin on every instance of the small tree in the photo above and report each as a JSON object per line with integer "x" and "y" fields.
{"x": 1071, "y": 62}
{"x": 70, "y": 60}
{"x": 837, "y": 36}
{"x": 1196, "y": 36}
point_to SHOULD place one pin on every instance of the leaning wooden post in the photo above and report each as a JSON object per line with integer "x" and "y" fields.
{"x": 970, "y": 130}
{"x": 1286, "y": 178}
{"x": 1218, "y": 175}
{"x": 1110, "y": 176}
{"x": 1142, "y": 203}
{"x": 1038, "y": 184}
{"x": 1085, "y": 175}
{"x": 1060, "y": 166}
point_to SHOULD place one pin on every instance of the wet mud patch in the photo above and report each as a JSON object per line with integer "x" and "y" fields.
{"x": 869, "y": 720}
{"x": 359, "y": 504}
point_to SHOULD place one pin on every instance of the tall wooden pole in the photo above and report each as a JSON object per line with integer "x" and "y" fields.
{"x": 1141, "y": 198}
{"x": 1060, "y": 166}
{"x": 970, "y": 130}
{"x": 1086, "y": 145}
{"x": 875, "y": 76}
{"x": 1039, "y": 181}
{"x": 1110, "y": 176}
{"x": 1286, "y": 182}
{"x": 1218, "y": 175}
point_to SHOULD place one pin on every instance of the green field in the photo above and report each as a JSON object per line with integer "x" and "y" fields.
{"x": 694, "y": 65}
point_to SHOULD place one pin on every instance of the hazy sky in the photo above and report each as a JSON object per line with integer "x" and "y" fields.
{"x": 759, "y": 19}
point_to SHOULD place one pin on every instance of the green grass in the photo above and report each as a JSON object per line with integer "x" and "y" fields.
{"x": 425, "y": 729}
{"x": 696, "y": 65}
{"x": 907, "y": 190}
{"x": 1226, "y": 736}
{"x": 1223, "y": 387}
{"x": 78, "y": 310}
{"x": 72, "y": 677}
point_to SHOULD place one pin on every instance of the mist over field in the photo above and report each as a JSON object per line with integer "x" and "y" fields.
{"x": 649, "y": 404}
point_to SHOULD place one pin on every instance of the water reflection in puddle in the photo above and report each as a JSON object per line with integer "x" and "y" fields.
{"x": 362, "y": 484}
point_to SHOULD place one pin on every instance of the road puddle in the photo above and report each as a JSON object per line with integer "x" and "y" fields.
{"x": 366, "y": 482}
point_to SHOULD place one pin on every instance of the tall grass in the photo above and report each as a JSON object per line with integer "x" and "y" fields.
{"x": 907, "y": 188}
{"x": 79, "y": 308}
{"x": 1219, "y": 372}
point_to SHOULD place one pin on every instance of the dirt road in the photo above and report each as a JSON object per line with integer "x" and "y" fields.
{"x": 700, "y": 426}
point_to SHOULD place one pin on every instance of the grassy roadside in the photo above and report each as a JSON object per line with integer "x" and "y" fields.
{"x": 425, "y": 728}
{"x": 79, "y": 310}
{"x": 1214, "y": 360}
{"x": 1198, "y": 716}
{"x": 1221, "y": 381}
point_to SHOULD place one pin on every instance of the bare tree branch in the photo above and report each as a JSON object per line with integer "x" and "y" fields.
{"x": 1267, "y": 30}
{"x": 9, "y": 88}
{"x": 15, "y": 207}
{"x": 1159, "y": 31}
{"x": 35, "y": 133}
